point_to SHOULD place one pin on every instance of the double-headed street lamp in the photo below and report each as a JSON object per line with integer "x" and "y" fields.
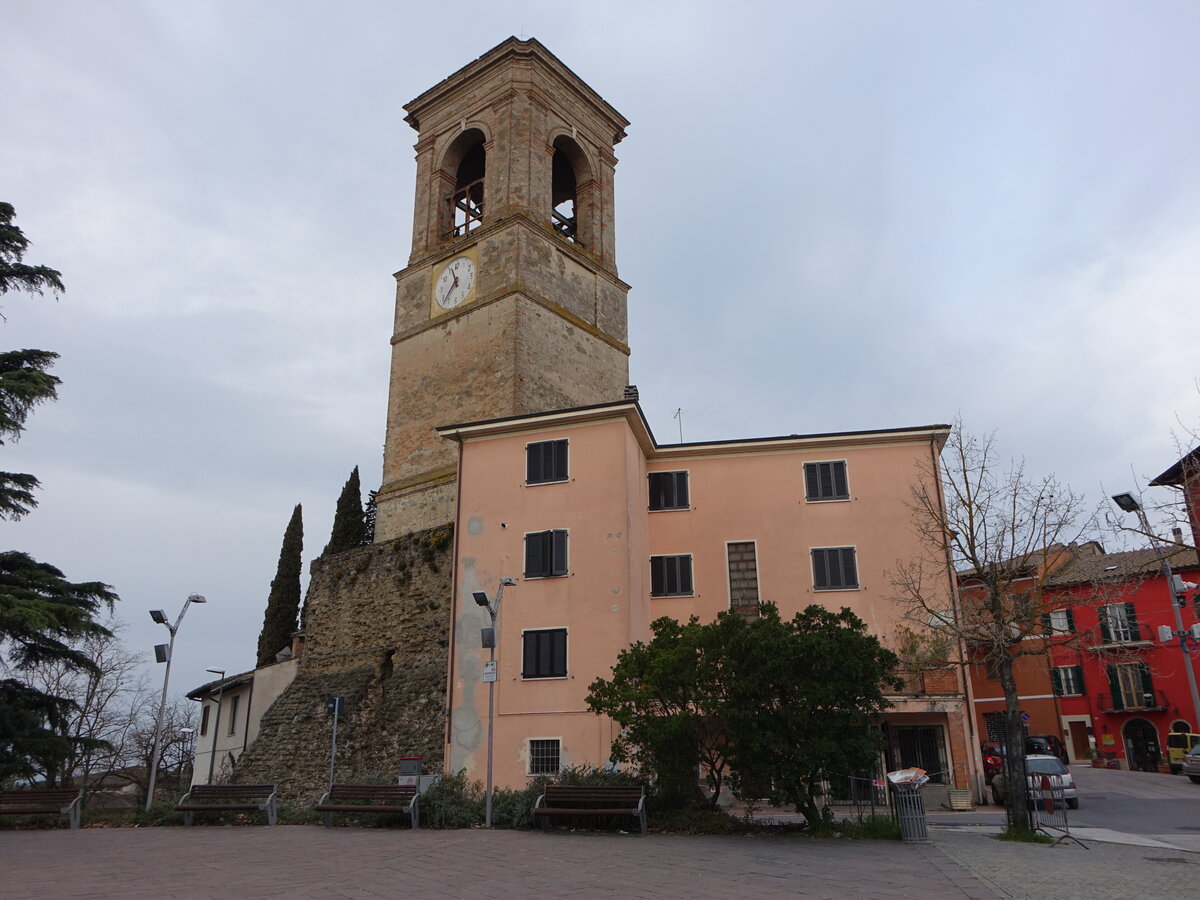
{"x": 162, "y": 654}
{"x": 488, "y": 637}
{"x": 1176, "y": 587}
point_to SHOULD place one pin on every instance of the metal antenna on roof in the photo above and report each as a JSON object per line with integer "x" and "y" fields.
{"x": 679, "y": 415}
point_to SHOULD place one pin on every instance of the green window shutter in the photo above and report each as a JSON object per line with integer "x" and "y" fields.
{"x": 1047, "y": 626}
{"x": 1105, "y": 631}
{"x": 1114, "y": 685}
{"x": 1079, "y": 679}
{"x": 1070, "y": 620}
{"x": 1131, "y": 618}
{"x": 1056, "y": 680}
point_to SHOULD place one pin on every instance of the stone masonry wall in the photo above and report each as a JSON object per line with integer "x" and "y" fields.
{"x": 377, "y": 624}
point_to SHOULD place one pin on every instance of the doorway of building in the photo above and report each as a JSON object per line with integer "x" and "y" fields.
{"x": 1079, "y": 739}
{"x": 1141, "y": 745}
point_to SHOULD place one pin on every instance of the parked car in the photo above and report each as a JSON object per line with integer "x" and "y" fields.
{"x": 1039, "y": 764}
{"x": 1191, "y": 764}
{"x": 1179, "y": 744}
{"x": 1049, "y": 744}
{"x": 993, "y": 759}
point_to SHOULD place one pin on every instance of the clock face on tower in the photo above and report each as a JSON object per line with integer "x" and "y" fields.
{"x": 455, "y": 283}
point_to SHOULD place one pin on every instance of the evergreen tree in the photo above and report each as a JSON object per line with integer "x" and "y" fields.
{"x": 349, "y": 523}
{"x": 41, "y": 613}
{"x": 283, "y": 605}
{"x": 370, "y": 511}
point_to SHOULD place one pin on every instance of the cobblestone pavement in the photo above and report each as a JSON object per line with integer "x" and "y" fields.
{"x": 299, "y": 862}
{"x": 1097, "y": 871}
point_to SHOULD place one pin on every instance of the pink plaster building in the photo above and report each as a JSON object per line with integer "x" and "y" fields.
{"x": 605, "y": 530}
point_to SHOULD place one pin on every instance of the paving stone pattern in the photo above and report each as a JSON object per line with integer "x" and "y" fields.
{"x": 301, "y": 862}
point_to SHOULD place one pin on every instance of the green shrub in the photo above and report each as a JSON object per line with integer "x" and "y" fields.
{"x": 455, "y": 801}
{"x": 877, "y": 828}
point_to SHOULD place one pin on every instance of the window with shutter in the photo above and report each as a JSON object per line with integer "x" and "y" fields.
{"x": 545, "y": 554}
{"x": 670, "y": 576}
{"x": 545, "y": 653}
{"x": 1068, "y": 680}
{"x": 545, "y": 462}
{"x": 668, "y": 490}
{"x": 834, "y": 569}
{"x": 825, "y": 481}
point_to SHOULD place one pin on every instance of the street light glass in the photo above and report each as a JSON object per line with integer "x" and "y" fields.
{"x": 158, "y": 616}
{"x": 1127, "y": 502}
{"x": 481, "y": 598}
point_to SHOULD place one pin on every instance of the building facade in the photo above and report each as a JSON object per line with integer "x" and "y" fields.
{"x": 605, "y": 530}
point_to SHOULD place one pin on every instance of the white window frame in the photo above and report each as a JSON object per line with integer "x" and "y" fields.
{"x": 566, "y": 654}
{"x": 813, "y": 568}
{"x": 821, "y": 462}
{"x": 529, "y": 755}
{"x": 562, "y": 480}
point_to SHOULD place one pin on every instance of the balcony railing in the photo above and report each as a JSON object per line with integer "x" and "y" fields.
{"x": 1131, "y": 700}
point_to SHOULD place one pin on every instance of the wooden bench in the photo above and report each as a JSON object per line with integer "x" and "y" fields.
{"x": 371, "y": 798}
{"x": 228, "y": 798}
{"x": 35, "y": 802}
{"x": 595, "y": 800}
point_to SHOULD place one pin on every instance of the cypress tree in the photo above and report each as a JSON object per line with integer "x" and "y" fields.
{"x": 349, "y": 523}
{"x": 283, "y": 605}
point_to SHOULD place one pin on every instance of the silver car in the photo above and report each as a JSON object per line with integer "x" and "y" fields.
{"x": 1039, "y": 764}
{"x": 1191, "y": 764}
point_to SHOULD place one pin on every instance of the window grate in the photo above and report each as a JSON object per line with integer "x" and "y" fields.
{"x": 544, "y": 756}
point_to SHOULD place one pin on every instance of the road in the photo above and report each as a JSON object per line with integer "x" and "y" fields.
{"x": 1162, "y": 808}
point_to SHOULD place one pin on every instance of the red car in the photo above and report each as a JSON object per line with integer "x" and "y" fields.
{"x": 993, "y": 760}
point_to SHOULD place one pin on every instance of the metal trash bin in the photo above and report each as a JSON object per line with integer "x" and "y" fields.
{"x": 910, "y": 810}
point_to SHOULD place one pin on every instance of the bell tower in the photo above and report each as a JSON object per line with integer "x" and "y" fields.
{"x": 510, "y": 303}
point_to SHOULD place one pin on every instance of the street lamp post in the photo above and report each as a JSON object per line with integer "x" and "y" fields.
{"x": 162, "y": 653}
{"x": 488, "y": 636}
{"x": 1128, "y": 503}
{"x": 212, "y": 744}
{"x": 189, "y": 751}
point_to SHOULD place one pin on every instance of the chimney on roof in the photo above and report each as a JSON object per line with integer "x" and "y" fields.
{"x": 631, "y": 392}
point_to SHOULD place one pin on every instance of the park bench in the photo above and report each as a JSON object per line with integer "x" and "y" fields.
{"x": 371, "y": 798}
{"x": 34, "y": 802}
{"x": 228, "y": 798}
{"x": 593, "y": 800}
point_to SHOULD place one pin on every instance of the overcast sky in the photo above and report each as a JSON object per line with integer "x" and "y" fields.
{"x": 833, "y": 216}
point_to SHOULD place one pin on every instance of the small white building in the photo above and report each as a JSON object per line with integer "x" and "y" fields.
{"x": 231, "y": 711}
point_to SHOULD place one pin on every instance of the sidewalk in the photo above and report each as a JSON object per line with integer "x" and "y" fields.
{"x": 299, "y": 862}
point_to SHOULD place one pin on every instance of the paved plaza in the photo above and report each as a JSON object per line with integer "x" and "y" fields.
{"x": 307, "y": 861}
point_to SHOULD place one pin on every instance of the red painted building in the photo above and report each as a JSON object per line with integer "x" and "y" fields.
{"x": 1118, "y": 683}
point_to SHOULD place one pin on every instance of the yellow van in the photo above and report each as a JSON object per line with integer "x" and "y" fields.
{"x": 1178, "y": 744}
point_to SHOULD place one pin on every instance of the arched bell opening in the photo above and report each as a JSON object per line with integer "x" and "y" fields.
{"x": 571, "y": 189}
{"x": 463, "y": 170}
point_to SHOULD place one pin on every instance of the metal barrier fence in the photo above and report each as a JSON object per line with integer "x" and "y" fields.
{"x": 1048, "y": 803}
{"x": 858, "y": 796}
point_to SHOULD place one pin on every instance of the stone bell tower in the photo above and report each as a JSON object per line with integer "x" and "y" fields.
{"x": 510, "y": 302}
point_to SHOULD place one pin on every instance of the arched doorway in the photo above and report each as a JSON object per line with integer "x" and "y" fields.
{"x": 1141, "y": 745}
{"x": 1180, "y": 725}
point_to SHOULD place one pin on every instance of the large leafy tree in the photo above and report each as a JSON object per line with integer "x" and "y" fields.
{"x": 783, "y": 705}
{"x": 669, "y": 697}
{"x": 42, "y": 614}
{"x": 349, "y": 522}
{"x": 283, "y": 604}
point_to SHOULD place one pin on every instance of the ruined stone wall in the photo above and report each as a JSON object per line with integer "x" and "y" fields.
{"x": 377, "y": 626}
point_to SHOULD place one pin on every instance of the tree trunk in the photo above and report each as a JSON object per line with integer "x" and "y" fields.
{"x": 1016, "y": 803}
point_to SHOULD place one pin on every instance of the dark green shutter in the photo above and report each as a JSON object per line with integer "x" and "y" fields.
{"x": 681, "y": 490}
{"x": 1105, "y": 631}
{"x": 534, "y": 555}
{"x": 1114, "y": 685}
{"x": 1047, "y": 625}
{"x": 1079, "y": 679}
{"x": 658, "y": 566}
{"x": 1070, "y": 620}
{"x": 1056, "y": 680}
{"x": 558, "y": 553}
